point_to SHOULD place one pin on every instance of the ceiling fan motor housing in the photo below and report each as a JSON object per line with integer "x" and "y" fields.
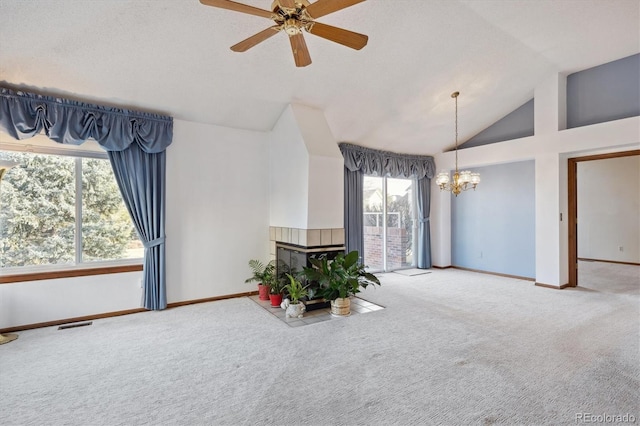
{"x": 299, "y": 3}
{"x": 292, "y": 26}
{"x": 293, "y": 16}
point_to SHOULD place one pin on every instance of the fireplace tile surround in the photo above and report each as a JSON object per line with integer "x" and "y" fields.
{"x": 305, "y": 238}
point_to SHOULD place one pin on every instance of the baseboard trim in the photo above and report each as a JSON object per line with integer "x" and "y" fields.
{"x": 211, "y": 299}
{"x": 119, "y": 313}
{"x": 72, "y": 320}
{"x": 493, "y": 273}
{"x": 608, "y": 261}
{"x": 555, "y": 287}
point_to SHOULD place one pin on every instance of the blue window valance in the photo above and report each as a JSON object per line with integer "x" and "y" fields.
{"x": 24, "y": 115}
{"x": 360, "y": 161}
{"x": 139, "y": 168}
{"x": 383, "y": 163}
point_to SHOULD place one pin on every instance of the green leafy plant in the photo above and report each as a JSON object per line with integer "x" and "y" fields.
{"x": 295, "y": 289}
{"x": 262, "y": 273}
{"x": 341, "y": 277}
{"x": 277, "y": 284}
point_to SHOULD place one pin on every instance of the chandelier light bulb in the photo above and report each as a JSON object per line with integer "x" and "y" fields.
{"x": 442, "y": 178}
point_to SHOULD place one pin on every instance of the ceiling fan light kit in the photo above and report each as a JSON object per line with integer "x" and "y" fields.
{"x": 292, "y": 17}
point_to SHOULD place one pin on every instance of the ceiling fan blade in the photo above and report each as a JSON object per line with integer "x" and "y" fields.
{"x": 325, "y": 7}
{"x": 338, "y": 35}
{"x": 247, "y": 44}
{"x": 238, "y": 7}
{"x": 300, "y": 51}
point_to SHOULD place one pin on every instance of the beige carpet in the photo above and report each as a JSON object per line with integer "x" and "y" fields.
{"x": 412, "y": 272}
{"x": 451, "y": 347}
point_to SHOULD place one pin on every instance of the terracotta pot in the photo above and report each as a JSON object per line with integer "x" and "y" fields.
{"x": 276, "y": 299}
{"x": 263, "y": 292}
{"x": 341, "y": 307}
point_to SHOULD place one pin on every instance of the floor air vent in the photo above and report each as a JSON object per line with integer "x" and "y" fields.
{"x": 78, "y": 324}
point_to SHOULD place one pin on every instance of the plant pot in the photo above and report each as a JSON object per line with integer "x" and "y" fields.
{"x": 341, "y": 307}
{"x": 276, "y": 299}
{"x": 295, "y": 310}
{"x": 263, "y": 292}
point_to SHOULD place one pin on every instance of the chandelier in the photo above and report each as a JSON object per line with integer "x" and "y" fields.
{"x": 461, "y": 180}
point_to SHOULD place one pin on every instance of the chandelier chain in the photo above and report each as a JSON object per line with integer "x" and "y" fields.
{"x": 456, "y": 98}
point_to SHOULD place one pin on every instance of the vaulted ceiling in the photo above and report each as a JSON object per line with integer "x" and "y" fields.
{"x": 173, "y": 57}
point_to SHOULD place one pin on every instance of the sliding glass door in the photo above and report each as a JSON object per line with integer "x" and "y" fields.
{"x": 389, "y": 223}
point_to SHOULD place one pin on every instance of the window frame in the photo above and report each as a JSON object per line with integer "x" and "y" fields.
{"x": 79, "y": 268}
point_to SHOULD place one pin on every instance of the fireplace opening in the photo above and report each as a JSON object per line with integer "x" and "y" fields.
{"x": 292, "y": 259}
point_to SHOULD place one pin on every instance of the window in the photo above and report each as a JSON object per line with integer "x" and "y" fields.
{"x": 389, "y": 243}
{"x": 60, "y": 211}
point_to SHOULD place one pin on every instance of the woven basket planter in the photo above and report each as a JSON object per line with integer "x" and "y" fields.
{"x": 341, "y": 307}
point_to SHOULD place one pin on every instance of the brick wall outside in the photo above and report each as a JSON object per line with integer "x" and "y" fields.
{"x": 396, "y": 253}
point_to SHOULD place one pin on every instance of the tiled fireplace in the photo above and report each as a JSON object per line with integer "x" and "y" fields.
{"x": 306, "y": 188}
{"x": 294, "y": 246}
{"x": 306, "y": 238}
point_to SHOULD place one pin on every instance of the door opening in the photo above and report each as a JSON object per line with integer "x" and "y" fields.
{"x": 572, "y": 177}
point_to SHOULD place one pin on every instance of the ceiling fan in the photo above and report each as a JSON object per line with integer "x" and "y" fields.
{"x": 293, "y": 16}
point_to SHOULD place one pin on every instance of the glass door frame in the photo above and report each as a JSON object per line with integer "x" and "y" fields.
{"x": 385, "y": 225}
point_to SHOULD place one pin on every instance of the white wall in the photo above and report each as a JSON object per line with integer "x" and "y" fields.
{"x": 306, "y": 181}
{"x": 289, "y": 178}
{"x": 609, "y": 209}
{"x": 550, "y": 148}
{"x": 217, "y": 219}
{"x": 217, "y": 209}
{"x": 326, "y": 193}
{"x": 34, "y": 302}
{"x": 326, "y": 169}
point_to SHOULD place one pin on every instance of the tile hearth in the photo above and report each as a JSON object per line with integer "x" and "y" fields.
{"x": 358, "y": 306}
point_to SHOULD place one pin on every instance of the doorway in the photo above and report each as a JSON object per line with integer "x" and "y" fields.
{"x": 389, "y": 225}
{"x": 573, "y": 207}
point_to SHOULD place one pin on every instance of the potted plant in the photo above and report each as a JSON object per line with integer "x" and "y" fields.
{"x": 262, "y": 274}
{"x": 340, "y": 279}
{"x": 276, "y": 288}
{"x": 296, "y": 291}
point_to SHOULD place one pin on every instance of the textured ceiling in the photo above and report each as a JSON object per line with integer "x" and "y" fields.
{"x": 173, "y": 57}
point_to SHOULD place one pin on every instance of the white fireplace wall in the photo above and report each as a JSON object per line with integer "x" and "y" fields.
{"x": 289, "y": 174}
{"x": 326, "y": 193}
{"x": 326, "y": 169}
{"x": 306, "y": 179}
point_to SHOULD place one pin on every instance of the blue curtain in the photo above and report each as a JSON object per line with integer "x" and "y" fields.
{"x": 423, "y": 198}
{"x": 362, "y": 161}
{"x": 353, "y": 211}
{"x": 141, "y": 178}
{"x": 136, "y": 144}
